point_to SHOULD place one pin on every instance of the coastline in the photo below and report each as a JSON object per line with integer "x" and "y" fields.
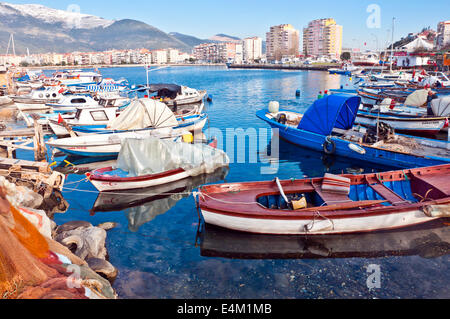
{"x": 104, "y": 66}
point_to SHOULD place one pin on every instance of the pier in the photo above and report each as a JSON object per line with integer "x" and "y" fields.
{"x": 320, "y": 67}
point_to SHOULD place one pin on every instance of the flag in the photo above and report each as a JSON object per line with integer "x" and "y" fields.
{"x": 60, "y": 119}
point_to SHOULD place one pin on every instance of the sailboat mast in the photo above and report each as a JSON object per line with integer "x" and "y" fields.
{"x": 392, "y": 47}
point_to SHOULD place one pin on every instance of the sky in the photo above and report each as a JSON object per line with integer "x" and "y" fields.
{"x": 244, "y": 18}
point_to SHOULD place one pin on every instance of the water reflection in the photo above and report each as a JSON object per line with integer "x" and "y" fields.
{"x": 428, "y": 241}
{"x": 144, "y": 205}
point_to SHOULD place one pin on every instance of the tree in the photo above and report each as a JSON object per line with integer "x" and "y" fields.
{"x": 346, "y": 56}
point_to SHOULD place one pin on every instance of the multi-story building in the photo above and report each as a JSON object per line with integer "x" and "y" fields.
{"x": 159, "y": 56}
{"x": 282, "y": 40}
{"x": 443, "y": 34}
{"x": 323, "y": 37}
{"x": 252, "y": 49}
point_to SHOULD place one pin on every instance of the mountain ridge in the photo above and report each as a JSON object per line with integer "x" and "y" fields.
{"x": 41, "y": 30}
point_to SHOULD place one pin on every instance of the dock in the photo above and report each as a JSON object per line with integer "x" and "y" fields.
{"x": 321, "y": 67}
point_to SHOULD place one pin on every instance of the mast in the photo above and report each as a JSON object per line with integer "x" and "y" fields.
{"x": 392, "y": 47}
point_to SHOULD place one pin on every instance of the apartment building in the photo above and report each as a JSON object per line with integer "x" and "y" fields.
{"x": 252, "y": 49}
{"x": 282, "y": 40}
{"x": 323, "y": 37}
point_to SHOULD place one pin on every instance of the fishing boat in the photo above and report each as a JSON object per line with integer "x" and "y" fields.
{"x": 333, "y": 204}
{"x": 77, "y": 77}
{"x": 106, "y": 145}
{"x": 38, "y": 99}
{"x": 143, "y": 115}
{"x": 69, "y": 103}
{"x": 346, "y": 69}
{"x": 327, "y": 126}
{"x": 172, "y": 94}
{"x": 431, "y": 240}
{"x": 403, "y": 122}
{"x": 151, "y": 162}
{"x": 121, "y": 200}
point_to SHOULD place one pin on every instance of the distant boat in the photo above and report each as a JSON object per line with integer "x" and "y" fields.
{"x": 334, "y": 204}
{"x": 38, "y": 99}
{"x": 172, "y": 94}
{"x": 77, "y": 77}
{"x": 346, "y": 69}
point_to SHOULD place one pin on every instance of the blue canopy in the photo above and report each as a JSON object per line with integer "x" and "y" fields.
{"x": 332, "y": 111}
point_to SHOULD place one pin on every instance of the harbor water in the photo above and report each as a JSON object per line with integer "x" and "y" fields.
{"x": 161, "y": 250}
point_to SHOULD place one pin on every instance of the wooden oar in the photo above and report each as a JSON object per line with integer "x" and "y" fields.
{"x": 342, "y": 206}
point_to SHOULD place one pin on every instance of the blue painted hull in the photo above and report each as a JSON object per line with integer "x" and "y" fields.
{"x": 374, "y": 155}
{"x": 101, "y": 129}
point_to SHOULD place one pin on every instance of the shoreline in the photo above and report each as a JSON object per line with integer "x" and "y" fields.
{"x": 105, "y": 66}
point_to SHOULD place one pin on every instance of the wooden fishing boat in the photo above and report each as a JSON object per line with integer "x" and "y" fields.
{"x": 334, "y": 204}
{"x": 403, "y": 123}
{"x": 172, "y": 161}
{"x": 328, "y": 126}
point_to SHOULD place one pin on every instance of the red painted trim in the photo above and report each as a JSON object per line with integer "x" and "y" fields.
{"x": 97, "y": 175}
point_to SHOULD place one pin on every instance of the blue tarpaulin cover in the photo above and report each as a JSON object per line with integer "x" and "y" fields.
{"x": 333, "y": 111}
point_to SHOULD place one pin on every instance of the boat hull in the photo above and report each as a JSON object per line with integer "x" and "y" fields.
{"x": 430, "y": 126}
{"x": 117, "y": 184}
{"x": 371, "y": 154}
{"x": 316, "y": 226}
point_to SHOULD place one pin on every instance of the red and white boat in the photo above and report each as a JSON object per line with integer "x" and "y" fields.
{"x": 151, "y": 162}
{"x": 364, "y": 203}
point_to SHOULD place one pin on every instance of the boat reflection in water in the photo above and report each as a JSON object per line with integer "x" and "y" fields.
{"x": 143, "y": 205}
{"x": 428, "y": 241}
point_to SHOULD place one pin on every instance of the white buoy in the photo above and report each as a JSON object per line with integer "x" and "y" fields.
{"x": 357, "y": 149}
{"x": 274, "y": 107}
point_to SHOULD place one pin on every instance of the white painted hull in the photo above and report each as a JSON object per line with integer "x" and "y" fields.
{"x": 24, "y": 107}
{"x": 102, "y": 186}
{"x": 319, "y": 226}
{"x": 419, "y": 125}
{"x": 103, "y": 144}
{"x": 187, "y": 100}
{"x": 190, "y": 128}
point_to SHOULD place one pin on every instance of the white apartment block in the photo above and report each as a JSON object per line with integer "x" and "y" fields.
{"x": 252, "y": 49}
{"x": 159, "y": 57}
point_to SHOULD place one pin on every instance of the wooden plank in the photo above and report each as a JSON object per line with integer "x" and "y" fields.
{"x": 330, "y": 197}
{"x": 385, "y": 192}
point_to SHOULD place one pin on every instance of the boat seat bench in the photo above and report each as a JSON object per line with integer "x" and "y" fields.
{"x": 331, "y": 198}
{"x": 439, "y": 182}
{"x": 385, "y": 192}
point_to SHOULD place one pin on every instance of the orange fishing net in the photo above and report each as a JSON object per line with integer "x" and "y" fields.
{"x": 22, "y": 252}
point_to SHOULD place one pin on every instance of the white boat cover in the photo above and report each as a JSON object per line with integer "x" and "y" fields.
{"x": 147, "y": 156}
{"x": 441, "y": 107}
{"x": 143, "y": 113}
{"x": 417, "y": 98}
{"x": 432, "y": 80}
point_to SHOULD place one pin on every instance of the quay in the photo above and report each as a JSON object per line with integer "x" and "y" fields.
{"x": 320, "y": 67}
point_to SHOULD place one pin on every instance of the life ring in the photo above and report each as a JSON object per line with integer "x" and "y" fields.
{"x": 326, "y": 146}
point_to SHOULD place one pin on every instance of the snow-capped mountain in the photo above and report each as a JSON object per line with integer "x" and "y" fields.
{"x": 71, "y": 18}
{"x": 41, "y": 29}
